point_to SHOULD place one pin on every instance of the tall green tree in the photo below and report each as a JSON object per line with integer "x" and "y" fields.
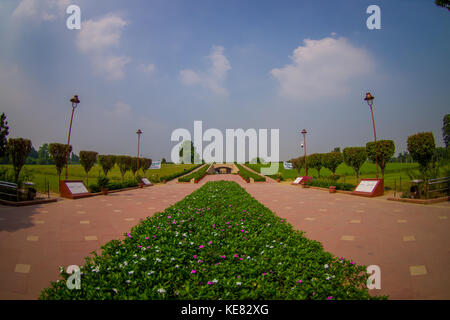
{"x": 124, "y": 164}
{"x": 4, "y": 131}
{"x": 58, "y": 153}
{"x": 87, "y": 161}
{"x": 446, "y": 130}
{"x": 355, "y": 157}
{"x": 107, "y": 162}
{"x": 298, "y": 163}
{"x": 18, "y": 150}
{"x": 134, "y": 165}
{"x": 146, "y": 163}
{"x": 383, "y": 150}
{"x": 43, "y": 154}
{"x": 332, "y": 160}
{"x": 421, "y": 146}
{"x": 315, "y": 161}
{"x": 443, "y": 3}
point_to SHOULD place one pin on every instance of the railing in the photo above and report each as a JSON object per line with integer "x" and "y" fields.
{"x": 441, "y": 184}
{"x": 9, "y": 189}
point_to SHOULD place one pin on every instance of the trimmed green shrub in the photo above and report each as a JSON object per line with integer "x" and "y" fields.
{"x": 124, "y": 163}
{"x": 332, "y": 160}
{"x": 58, "y": 153}
{"x": 107, "y": 162}
{"x": 384, "y": 149}
{"x": 87, "y": 161}
{"x": 217, "y": 243}
{"x": 315, "y": 161}
{"x": 355, "y": 157}
{"x": 421, "y": 146}
{"x": 246, "y": 174}
{"x": 18, "y": 150}
{"x": 197, "y": 175}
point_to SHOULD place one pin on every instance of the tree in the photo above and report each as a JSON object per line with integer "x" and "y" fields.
{"x": 124, "y": 163}
{"x": 421, "y": 146}
{"x": 43, "y": 155}
{"x": 190, "y": 156}
{"x": 146, "y": 163}
{"x": 58, "y": 153}
{"x": 107, "y": 162}
{"x": 443, "y": 3}
{"x": 355, "y": 157}
{"x": 332, "y": 160}
{"x": 315, "y": 161}
{"x": 384, "y": 149}
{"x": 4, "y": 131}
{"x": 32, "y": 156}
{"x": 446, "y": 130}
{"x": 134, "y": 165}
{"x": 87, "y": 161}
{"x": 298, "y": 163}
{"x": 18, "y": 150}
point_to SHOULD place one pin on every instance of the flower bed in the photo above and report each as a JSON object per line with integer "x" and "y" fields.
{"x": 197, "y": 175}
{"x": 246, "y": 174}
{"x": 217, "y": 243}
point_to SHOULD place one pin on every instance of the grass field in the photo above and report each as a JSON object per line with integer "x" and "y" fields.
{"x": 40, "y": 173}
{"x": 393, "y": 173}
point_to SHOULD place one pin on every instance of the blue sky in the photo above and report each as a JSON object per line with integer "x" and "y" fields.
{"x": 160, "y": 65}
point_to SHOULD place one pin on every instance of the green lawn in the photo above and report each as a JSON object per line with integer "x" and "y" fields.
{"x": 393, "y": 172}
{"x": 41, "y": 173}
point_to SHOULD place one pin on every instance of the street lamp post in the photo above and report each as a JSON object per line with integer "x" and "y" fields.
{"x": 304, "y": 146}
{"x": 369, "y": 99}
{"x": 75, "y": 101}
{"x": 139, "y": 132}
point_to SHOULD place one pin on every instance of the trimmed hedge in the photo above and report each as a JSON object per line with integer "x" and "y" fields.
{"x": 246, "y": 174}
{"x": 172, "y": 176}
{"x": 197, "y": 175}
{"x": 217, "y": 243}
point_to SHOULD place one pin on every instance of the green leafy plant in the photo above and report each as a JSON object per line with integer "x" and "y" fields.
{"x": 382, "y": 152}
{"x": 4, "y": 131}
{"x": 217, "y": 243}
{"x": 196, "y": 175}
{"x": 246, "y": 174}
{"x": 421, "y": 146}
{"x": 124, "y": 164}
{"x": 107, "y": 162}
{"x": 146, "y": 163}
{"x": 18, "y": 150}
{"x": 315, "y": 161}
{"x": 87, "y": 161}
{"x": 58, "y": 153}
{"x": 355, "y": 157}
{"x": 332, "y": 160}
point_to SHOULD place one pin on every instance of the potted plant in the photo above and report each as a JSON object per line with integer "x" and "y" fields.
{"x": 102, "y": 183}
{"x": 278, "y": 177}
{"x": 332, "y": 189}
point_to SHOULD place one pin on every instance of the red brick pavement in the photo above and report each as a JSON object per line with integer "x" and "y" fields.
{"x": 34, "y": 241}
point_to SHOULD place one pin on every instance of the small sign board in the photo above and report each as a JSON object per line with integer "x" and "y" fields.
{"x": 370, "y": 188}
{"x": 146, "y": 182}
{"x": 287, "y": 165}
{"x": 156, "y": 165}
{"x": 298, "y": 180}
{"x": 73, "y": 189}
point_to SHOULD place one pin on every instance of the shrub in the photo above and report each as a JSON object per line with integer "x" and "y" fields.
{"x": 18, "y": 150}
{"x": 87, "y": 161}
{"x": 332, "y": 160}
{"x": 217, "y": 243}
{"x": 384, "y": 149}
{"x": 146, "y": 163}
{"x": 355, "y": 157}
{"x": 315, "y": 161}
{"x": 134, "y": 165}
{"x": 58, "y": 153}
{"x": 421, "y": 146}
{"x": 107, "y": 162}
{"x": 197, "y": 175}
{"x": 246, "y": 174}
{"x": 124, "y": 163}
{"x": 102, "y": 182}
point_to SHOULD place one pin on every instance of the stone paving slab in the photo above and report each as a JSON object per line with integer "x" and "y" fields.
{"x": 34, "y": 241}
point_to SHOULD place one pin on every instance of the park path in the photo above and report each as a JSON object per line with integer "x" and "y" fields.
{"x": 409, "y": 242}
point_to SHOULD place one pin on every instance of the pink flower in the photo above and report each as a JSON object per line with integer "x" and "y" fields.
{"x": 223, "y": 257}
{"x": 210, "y": 242}
{"x": 129, "y": 236}
{"x": 214, "y": 225}
{"x": 194, "y": 256}
{"x": 169, "y": 217}
{"x": 330, "y": 298}
{"x": 299, "y": 281}
{"x": 193, "y": 271}
{"x": 210, "y": 283}
{"x": 202, "y": 246}
{"x": 146, "y": 238}
{"x": 264, "y": 273}
{"x": 236, "y": 256}
{"x": 238, "y": 277}
{"x": 242, "y": 230}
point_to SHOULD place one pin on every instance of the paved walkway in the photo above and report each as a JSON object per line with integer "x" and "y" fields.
{"x": 409, "y": 242}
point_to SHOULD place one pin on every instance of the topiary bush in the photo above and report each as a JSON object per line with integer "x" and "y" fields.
{"x": 217, "y": 243}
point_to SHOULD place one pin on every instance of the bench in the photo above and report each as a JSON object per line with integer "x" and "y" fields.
{"x": 440, "y": 185}
{"x": 10, "y": 190}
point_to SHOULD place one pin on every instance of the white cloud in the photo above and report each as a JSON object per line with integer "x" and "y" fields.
{"x": 121, "y": 108}
{"x": 97, "y": 38}
{"x": 41, "y": 9}
{"x": 215, "y": 76}
{"x": 148, "y": 68}
{"x": 322, "y": 68}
